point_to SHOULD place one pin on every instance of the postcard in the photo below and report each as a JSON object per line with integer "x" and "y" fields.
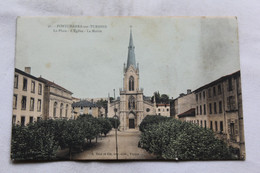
{"x": 127, "y": 88}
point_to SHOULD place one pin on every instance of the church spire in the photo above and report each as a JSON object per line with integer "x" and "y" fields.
{"x": 131, "y": 51}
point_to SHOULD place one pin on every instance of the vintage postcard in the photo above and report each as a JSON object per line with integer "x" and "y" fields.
{"x": 127, "y": 88}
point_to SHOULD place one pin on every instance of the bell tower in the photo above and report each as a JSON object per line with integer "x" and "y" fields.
{"x": 131, "y": 70}
{"x": 131, "y": 97}
{"x": 131, "y": 105}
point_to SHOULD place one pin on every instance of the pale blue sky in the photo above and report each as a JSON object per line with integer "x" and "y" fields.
{"x": 174, "y": 54}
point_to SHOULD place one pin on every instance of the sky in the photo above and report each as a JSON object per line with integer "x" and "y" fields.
{"x": 86, "y": 54}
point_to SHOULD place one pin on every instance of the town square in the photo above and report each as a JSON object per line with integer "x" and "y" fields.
{"x": 176, "y": 96}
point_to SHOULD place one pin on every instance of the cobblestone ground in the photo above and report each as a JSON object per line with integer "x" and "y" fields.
{"x": 105, "y": 149}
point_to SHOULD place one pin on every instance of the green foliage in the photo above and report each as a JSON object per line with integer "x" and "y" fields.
{"x": 151, "y": 119}
{"x": 114, "y": 122}
{"x": 164, "y": 98}
{"x": 89, "y": 125}
{"x": 102, "y": 103}
{"x": 33, "y": 142}
{"x": 41, "y": 140}
{"x": 111, "y": 99}
{"x": 72, "y": 134}
{"x": 173, "y": 139}
{"x": 105, "y": 125}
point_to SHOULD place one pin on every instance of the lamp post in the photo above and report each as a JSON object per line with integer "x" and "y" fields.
{"x": 116, "y": 118}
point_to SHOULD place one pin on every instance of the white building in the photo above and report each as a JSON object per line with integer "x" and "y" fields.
{"x": 163, "y": 109}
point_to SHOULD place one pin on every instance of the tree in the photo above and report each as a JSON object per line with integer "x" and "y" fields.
{"x": 89, "y": 125}
{"x": 72, "y": 135}
{"x": 33, "y": 142}
{"x": 102, "y": 103}
{"x": 164, "y": 98}
{"x": 151, "y": 119}
{"x": 114, "y": 122}
{"x": 111, "y": 99}
{"x": 157, "y": 97}
{"x": 105, "y": 125}
{"x": 174, "y": 139}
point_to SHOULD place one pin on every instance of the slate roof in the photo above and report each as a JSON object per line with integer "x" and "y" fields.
{"x": 84, "y": 103}
{"x": 237, "y": 73}
{"x": 189, "y": 113}
{"x": 26, "y": 74}
{"x": 49, "y": 83}
{"x": 147, "y": 98}
{"x": 163, "y": 104}
{"x": 131, "y": 52}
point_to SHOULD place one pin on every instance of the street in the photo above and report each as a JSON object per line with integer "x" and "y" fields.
{"x": 105, "y": 148}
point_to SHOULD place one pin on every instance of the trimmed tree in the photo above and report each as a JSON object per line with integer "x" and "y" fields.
{"x": 72, "y": 135}
{"x": 33, "y": 142}
{"x": 105, "y": 125}
{"x": 151, "y": 119}
{"x": 173, "y": 139}
{"x": 114, "y": 122}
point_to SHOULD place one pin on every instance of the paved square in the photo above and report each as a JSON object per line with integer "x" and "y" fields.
{"x": 105, "y": 149}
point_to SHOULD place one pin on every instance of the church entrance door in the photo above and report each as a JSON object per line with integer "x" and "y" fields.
{"x": 131, "y": 123}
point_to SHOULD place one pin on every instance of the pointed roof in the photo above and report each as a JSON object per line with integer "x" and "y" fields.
{"x": 131, "y": 52}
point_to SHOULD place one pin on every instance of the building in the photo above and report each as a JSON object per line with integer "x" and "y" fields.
{"x": 220, "y": 109}
{"x": 187, "y": 116}
{"x": 163, "y": 109}
{"x": 74, "y": 99}
{"x": 57, "y": 101}
{"x": 132, "y": 106}
{"x": 87, "y": 107}
{"x": 218, "y": 106}
{"x": 183, "y": 104}
{"x": 27, "y": 98}
{"x": 96, "y": 99}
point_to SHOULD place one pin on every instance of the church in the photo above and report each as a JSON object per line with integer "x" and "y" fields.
{"x": 132, "y": 106}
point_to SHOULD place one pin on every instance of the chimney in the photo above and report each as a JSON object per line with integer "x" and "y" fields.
{"x": 182, "y": 94}
{"x": 27, "y": 70}
{"x": 188, "y": 91}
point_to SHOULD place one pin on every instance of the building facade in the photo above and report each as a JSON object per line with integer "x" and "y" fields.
{"x": 57, "y": 101}
{"x": 132, "y": 107}
{"x": 27, "y": 98}
{"x": 221, "y": 105}
{"x": 183, "y": 104}
{"x": 87, "y": 107}
{"x": 218, "y": 106}
{"x": 163, "y": 109}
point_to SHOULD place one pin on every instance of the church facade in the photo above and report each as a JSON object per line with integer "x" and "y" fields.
{"x": 132, "y": 106}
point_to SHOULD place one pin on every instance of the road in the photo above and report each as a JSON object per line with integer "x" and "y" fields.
{"x": 105, "y": 148}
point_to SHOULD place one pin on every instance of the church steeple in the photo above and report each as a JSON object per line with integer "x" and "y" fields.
{"x": 131, "y": 52}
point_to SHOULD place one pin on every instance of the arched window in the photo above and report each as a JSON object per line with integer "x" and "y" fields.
{"x": 131, "y": 83}
{"x": 131, "y": 103}
{"x": 61, "y": 108}
{"x": 54, "y": 109}
{"x": 66, "y": 111}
